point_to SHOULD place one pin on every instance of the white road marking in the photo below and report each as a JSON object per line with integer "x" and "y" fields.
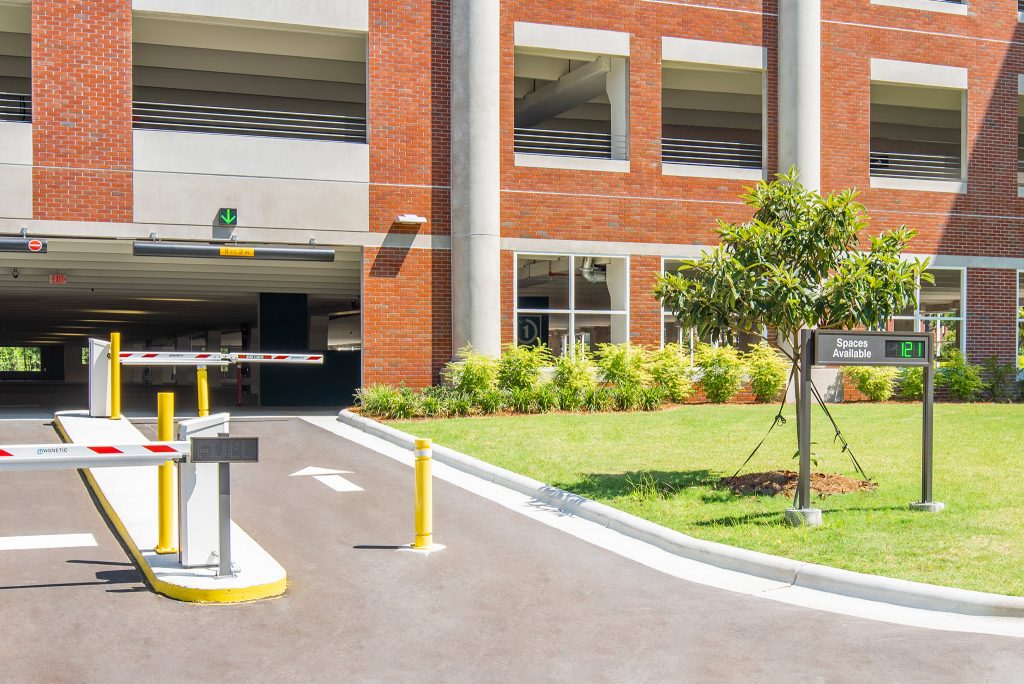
{"x": 338, "y": 483}
{"x": 684, "y": 568}
{"x": 320, "y": 471}
{"x": 46, "y": 541}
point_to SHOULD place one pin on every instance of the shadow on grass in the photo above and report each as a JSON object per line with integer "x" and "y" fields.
{"x": 612, "y": 485}
{"x": 771, "y": 518}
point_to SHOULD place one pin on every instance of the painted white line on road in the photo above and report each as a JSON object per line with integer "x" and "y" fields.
{"x": 319, "y": 471}
{"x": 338, "y": 483}
{"x": 677, "y": 566}
{"x": 47, "y": 541}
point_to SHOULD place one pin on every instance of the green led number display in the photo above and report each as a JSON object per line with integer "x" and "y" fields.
{"x": 904, "y": 349}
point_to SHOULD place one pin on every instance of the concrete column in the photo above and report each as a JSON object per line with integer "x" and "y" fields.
{"x": 617, "y": 86}
{"x": 476, "y": 175}
{"x": 800, "y": 89}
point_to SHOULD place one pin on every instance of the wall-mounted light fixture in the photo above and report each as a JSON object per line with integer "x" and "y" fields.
{"x": 411, "y": 220}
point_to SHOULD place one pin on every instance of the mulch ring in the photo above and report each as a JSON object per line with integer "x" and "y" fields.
{"x": 784, "y": 482}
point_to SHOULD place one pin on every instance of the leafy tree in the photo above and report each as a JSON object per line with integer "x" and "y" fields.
{"x": 798, "y": 263}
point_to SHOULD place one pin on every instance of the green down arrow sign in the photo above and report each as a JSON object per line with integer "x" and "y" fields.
{"x": 227, "y": 217}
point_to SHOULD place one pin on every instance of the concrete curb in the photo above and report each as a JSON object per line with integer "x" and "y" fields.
{"x": 796, "y": 573}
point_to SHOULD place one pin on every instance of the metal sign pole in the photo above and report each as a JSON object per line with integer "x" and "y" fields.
{"x": 927, "y": 420}
{"x": 224, "y": 475}
{"x": 804, "y": 437}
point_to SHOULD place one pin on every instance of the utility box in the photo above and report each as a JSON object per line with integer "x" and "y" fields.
{"x": 198, "y": 492}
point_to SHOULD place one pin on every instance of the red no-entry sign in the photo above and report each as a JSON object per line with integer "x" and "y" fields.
{"x": 35, "y": 245}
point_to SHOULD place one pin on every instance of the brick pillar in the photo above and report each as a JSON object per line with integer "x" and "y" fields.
{"x": 407, "y": 333}
{"x": 508, "y": 304}
{"x": 644, "y": 307}
{"x": 82, "y": 110}
{"x": 991, "y": 314}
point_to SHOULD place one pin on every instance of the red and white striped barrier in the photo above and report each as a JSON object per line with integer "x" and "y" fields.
{"x": 64, "y": 456}
{"x": 147, "y": 358}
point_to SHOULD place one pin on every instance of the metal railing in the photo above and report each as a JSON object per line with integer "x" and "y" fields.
{"x": 737, "y": 155}
{"x": 915, "y": 166}
{"x": 15, "y": 107}
{"x": 563, "y": 143}
{"x": 163, "y": 116}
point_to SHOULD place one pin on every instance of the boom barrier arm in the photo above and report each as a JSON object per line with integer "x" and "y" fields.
{"x": 144, "y": 358}
{"x": 70, "y": 456}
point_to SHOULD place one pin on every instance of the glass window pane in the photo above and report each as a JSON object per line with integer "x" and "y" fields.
{"x": 902, "y": 325}
{"x": 942, "y": 298}
{"x": 1020, "y": 294}
{"x": 551, "y": 329}
{"x": 595, "y": 329}
{"x": 543, "y": 281}
{"x": 948, "y": 334}
{"x": 601, "y": 283}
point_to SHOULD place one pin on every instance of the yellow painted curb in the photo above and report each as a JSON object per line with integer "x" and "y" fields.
{"x": 235, "y": 595}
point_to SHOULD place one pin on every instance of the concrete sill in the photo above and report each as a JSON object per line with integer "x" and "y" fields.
{"x": 926, "y": 5}
{"x": 544, "y": 161}
{"x": 954, "y": 187}
{"x": 697, "y": 171}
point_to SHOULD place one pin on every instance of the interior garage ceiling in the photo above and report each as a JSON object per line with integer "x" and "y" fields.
{"x": 145, "y": 297}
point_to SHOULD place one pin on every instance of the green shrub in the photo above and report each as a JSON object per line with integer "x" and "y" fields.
{"x": 671, "y": 371}
{"x": 570, "y": 400}
{"x": 721, "y": 370}
{"x": 1002, "y": 379}
{"x": 388, "y": 402}
{"x": 491, "y": 402}
{"x": 877, "y": 383}
{"x": 461, "y": 404}
{"x": 598, "y": 399}
{"x": 519, "y": 366}
{"x": 768, "y": 370}
{"x": 962, "y": 378}
{"x": 433, "y": 406}
{"x": 626, "y": 398}
{"x": 521, "y": 400}
{"x": 545, "y": 398}
{"x": 911, "y": 383}
{"x": 472, "y": 374}
{"x": 575, "y": 373}
{"x": 623, "y": 366}
{"x": 650, "y": 398}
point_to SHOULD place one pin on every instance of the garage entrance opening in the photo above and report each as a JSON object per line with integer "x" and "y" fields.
{"x": 53, "y": 302}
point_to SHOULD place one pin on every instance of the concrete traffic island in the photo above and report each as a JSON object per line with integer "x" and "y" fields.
{"x": 791, "y": 574}
{"x": 128, "y": 497}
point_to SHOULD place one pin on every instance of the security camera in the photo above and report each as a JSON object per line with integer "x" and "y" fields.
{"x": 15, "y": 274}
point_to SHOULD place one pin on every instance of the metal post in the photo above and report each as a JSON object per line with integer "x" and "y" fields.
{"x": 115, "y": 376}
{"x": 224, "y": 555}
{"x": 424, "y": 496}
{"x": 804, "y": 435}
{"x": 165, "y": 476}
{"x": 203, "y": 390}
{"x": 926, "y": 434}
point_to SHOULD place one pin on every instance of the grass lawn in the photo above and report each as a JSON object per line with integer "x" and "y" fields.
{"x": 976, "y": 543}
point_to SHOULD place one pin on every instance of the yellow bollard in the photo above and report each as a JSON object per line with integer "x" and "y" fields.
{"x": 165, "y": 476}
{"x": 115, "y": 376}
{"x": 203, "y": 387}
{"x": 424, "y": 498}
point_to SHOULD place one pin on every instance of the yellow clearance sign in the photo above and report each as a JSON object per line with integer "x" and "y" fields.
{"x": 237, "y": 252}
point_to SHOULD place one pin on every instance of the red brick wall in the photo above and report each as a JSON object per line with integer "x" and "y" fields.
{"x": 644, "y": 309}
{"x": 407, "y": 336}
{"x": 407, "y": 292}
{"x": 81, "y": 110}
{"x": 992, "y": 314}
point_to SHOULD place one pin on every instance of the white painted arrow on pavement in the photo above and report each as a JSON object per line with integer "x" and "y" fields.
{"x": 331, "y": 478}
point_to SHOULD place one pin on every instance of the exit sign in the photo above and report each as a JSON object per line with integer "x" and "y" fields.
{"x": 58, "y": 279}
{"x": 227, "y": 217}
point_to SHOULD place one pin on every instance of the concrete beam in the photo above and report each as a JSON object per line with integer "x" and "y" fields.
{"x": 578, "y": 86}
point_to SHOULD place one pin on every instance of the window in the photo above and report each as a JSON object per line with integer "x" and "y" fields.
{"x": 1020, "y": 320}
{"x": 673, "y": 331}
{"x": 918, "y": 114}
{"x": 712, "y": 109}
{"x": 21, "y": 359}
{"x": 564, "y": 298}
{"x": 571, "y": 98}
{"x": 940, "y": 309}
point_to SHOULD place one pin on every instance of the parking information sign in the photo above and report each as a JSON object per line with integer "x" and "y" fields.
{"x": 225, "y": 450}
{"x": 855, "y": 348}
